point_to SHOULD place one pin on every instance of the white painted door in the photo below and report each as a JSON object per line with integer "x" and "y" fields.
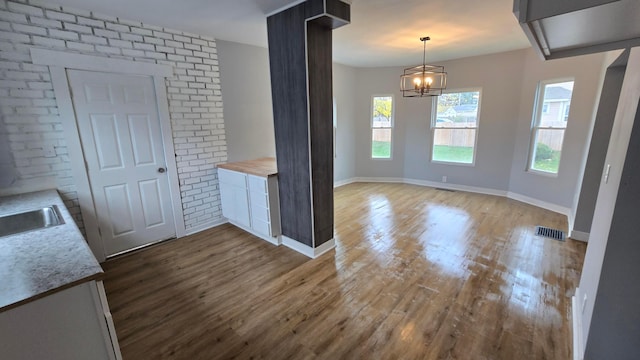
{"x": 121, "y": 139}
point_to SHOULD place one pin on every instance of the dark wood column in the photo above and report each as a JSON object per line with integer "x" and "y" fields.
{"x": 300, "y": 56}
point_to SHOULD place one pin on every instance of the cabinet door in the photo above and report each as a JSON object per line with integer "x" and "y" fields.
{"x": 241, "y": 204}
{"x": 234, "y": 197}
{"x": 235, "y": 203}
{"x": 259, "y": 201}
{"x": 226, "y": 200}
{"x": 65, "y": 325}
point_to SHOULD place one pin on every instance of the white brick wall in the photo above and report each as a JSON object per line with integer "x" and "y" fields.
{"x": 30, "y": 114}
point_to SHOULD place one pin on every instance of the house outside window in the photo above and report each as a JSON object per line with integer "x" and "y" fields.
{"x": 454, "y": 123}
{"x": 382, "y": 127}
{"x": 545, "y": 108}
{"x": 548, "y": 128}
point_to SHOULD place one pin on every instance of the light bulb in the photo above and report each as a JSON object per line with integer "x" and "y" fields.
{"x": 428, "y": 80}
{"x": 416, "y": 83}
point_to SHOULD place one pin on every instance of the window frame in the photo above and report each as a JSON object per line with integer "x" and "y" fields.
{"x": 536, "y": 119}
{"x": 434, "y": 118}
{"x": 391, "y": 127}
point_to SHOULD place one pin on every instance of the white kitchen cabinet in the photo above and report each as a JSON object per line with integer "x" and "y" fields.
{"x": 264, "y": 205}
{"x": 52, "y": 305}
{"x": 74, "y": 323}
{"x": 234, "y": 196}
{"x": 251, "y": 203}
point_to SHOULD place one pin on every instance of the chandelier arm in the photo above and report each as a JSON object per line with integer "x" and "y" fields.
{"x": 422, "y": 85}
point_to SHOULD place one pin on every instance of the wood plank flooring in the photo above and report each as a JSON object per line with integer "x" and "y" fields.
{"x": 418, "y": 273}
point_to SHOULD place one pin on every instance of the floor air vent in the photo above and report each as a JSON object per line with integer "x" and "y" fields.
{"x": 449, "y": 190}
{"x": 550, "y": 233}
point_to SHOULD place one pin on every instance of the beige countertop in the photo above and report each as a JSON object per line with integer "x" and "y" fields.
{"x": 37, "y": 263}
{"x": 264, "y": 167}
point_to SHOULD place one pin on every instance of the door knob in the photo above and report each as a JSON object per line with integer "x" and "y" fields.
{"x": 161, "y": 170}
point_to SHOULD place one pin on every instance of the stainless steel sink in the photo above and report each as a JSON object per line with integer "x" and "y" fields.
{"x": 30, "y": 220}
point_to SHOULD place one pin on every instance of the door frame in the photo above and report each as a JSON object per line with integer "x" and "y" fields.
{"x": 59, "y": 62}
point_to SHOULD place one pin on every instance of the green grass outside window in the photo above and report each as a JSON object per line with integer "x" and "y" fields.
{"x": 458, "y": 154}
{"x": 381, "y": 149}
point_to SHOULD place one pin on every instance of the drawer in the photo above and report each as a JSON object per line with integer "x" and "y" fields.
{"x": 260, "y": 213}
{"x": 232, "y": 177}
{"x": 261, "y": 227}
{"x": 257, "y": 184}
{"x": 259, "y": 199}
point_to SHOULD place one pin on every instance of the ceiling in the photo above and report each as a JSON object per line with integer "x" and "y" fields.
{"x": 381, "y": 33}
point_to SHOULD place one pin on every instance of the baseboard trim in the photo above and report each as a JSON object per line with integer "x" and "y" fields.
{"x": 576, "y": 326}
{"x": 270, "y": 239}
{"x": 579, "y": 235}
{"x": 344, "y": 182}
{"x": 308, "y": 250}
{"x": 571, "y": 220}
{"x": 206, "y": 226}
{"x": 378, "y": 179}
{"x": 449, "y": 186}
{"x": 539, "y": 203}
{"x": 474, "y": 189}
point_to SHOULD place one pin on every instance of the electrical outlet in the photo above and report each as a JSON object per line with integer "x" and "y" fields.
{"x": 444, "y": 179}
{"x": 584, "y": 302}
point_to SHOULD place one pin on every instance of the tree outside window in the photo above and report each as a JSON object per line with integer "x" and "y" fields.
{"x": 381, "y": 127}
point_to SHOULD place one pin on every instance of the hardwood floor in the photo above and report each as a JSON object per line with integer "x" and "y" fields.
{"x": 418, "y": 273}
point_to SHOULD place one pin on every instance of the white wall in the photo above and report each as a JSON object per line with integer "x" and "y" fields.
{"x": 344, "y": 90}
{"x": 508, "y": 82}
{"x": 625, "y": 118}
{"x": 587, "y": 72}
{"x": 248, "y": 112}
{"x": 379, "y": 81}
{"x": 596, "y": 148}
{"x": 7, "y": 167}
{"x": 499, "y": 77}
{"x": 30, "y": 110}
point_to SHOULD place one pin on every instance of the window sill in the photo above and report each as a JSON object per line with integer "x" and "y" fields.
{"x": 439, "y": 162}
{"x": 542, "y": 173}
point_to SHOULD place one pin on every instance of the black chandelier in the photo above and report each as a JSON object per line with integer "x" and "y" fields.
{"x": 423, "y": 80}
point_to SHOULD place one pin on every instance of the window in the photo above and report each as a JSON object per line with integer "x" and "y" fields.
{"x": 381, "y": 127}
{"x": 455, "y": 126}
{"x": 545, "y": 108}
{"x": 548, "y": 127}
